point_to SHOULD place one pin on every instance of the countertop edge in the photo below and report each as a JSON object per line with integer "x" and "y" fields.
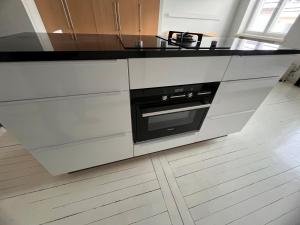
{"x": 110, "y": 55}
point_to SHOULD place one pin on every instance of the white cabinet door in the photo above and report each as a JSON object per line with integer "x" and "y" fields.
{"x": 224, "y": 125}
{"x": 56, "y": 121}
{"x": 31, "y": 80}
{"x": 241, "y": 95}
{"x": 246, "y": 67}
{"x": 158, "y": 72}
{"x": 80, "y": 155}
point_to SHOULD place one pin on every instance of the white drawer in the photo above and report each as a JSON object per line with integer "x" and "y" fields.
{"x": 55, "y": 121}
{"x": 158, "y": 72}
{"x": 224, "y": 125}
{"x": 30, "y": 80}
{"x": 241, "y": 95}
{"x": 245, "y": 67}
{"x": 76, "y": 156}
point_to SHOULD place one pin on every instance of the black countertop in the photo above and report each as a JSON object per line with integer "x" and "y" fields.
{"x": 54, "y": 47}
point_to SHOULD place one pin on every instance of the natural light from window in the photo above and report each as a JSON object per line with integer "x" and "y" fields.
{"x": 255, "y": 45}
{"x": 273, "y": 17}
{"x": 262, "y": 15}
{"x": 286, "y": 17}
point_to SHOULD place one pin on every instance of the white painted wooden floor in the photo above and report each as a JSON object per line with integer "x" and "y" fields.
{"x": 252, "y": 177}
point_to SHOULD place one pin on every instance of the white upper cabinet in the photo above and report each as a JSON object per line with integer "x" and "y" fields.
{"x": 247, "y": 67}
{"x": 241, "y": 95}
{"x": 31, "y": 80}
{"x": 159, "y": 72}
{"x": 57, "y": 121}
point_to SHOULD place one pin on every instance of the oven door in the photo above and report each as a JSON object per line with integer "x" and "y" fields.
{"x": 155, "y": 122}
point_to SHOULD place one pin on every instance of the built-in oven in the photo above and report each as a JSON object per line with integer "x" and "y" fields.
{"x": 164, "y": 111}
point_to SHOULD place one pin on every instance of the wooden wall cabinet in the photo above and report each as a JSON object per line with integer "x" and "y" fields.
{"x": 105, "y": 12}
{"x": 53, "y": 15}
{"x": 128, "y": 17}
{"x": 82, "y": 16}
{"x": 149, "y": 16}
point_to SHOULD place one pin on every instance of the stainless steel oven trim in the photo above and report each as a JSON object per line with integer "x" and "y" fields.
{"x": 204, "y": 93}
{"x": 175, "y": 110}
{"x": 178, "y": 96}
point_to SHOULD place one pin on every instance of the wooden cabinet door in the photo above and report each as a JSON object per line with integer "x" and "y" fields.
{"x": 128, "y": 16}
{"x": 106, "y": 16}
{"x": 53, "y": 15}
{"x": 149, "y": 15}
{"x": 82, "y": 16}
{"x": 117, "y": 16}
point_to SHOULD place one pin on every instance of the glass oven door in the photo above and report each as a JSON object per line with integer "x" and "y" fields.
{"x": 154, "y": 122}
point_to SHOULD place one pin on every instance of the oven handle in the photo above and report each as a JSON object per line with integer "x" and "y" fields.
{"x": 175, "y": 110}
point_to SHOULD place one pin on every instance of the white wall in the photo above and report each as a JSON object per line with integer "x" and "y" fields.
{"x": 207, "y": 15}
{"x": 292, "y": 39}
{"x": 241, "y": 17}
{"x": 13, "y": 18}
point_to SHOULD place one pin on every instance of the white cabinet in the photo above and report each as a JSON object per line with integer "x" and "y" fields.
{"x": 85, "y": 154}
{"x": 56, "y": 121}
{"x": 31, "y": 80}
{"x": 241, "y": 95}
{"x": 159, "y": 72}
{"x": 223, "y": 125}
{"x": 70, "y": 115}
{"x": 234, "y": 104}
{"x": 246, "y": 67}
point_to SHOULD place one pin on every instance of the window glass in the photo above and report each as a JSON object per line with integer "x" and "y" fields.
{"x": 286, "y": 17}
{"x": 262, "y": 15}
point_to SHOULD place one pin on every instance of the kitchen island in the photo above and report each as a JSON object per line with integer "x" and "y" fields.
{"x": 69, "y": 102}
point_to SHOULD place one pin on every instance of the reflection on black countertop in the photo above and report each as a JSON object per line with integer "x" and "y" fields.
{"x": 52, "y": 47}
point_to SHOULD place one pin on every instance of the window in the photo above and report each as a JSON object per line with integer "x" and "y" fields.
{"x": 273, "y": 18}
{"x": 262, "y": 15}
{"x": 286, "y": 17}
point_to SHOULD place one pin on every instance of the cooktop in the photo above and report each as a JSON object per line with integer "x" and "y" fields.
{"x": 174, "y": 40}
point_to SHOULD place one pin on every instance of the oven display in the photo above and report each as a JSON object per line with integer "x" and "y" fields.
{"x": 178, "y": 90}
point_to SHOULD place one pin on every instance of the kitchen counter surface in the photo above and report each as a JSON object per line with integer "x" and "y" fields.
{"x": 55, "y": 47}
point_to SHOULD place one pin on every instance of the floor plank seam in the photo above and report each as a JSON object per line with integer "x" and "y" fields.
{"x": 70, "y": 203}
{"x": 179, "y": 200}
{"x": 244, "y": 200}
{"x": 175, "y": 216}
